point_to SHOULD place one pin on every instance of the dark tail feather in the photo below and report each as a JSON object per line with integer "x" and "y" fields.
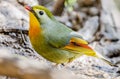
{"x": 110, "y": 63}
{"x": 105, "y": 59}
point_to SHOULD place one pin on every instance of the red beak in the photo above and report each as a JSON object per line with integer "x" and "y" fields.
{"x": 28, "y": 8}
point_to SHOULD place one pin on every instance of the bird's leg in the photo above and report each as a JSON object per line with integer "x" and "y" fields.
{"x": 71, "y": 59}
{"x": 58, "y": 66}
{"x": 62, "y": 64}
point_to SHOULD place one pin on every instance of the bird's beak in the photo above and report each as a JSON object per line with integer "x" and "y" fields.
{"x": 29, "y": 8}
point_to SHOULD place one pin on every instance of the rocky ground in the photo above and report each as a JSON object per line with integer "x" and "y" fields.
{"x": 96, "y": 20}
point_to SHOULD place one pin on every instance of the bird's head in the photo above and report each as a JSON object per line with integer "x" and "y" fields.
{"x": 41, "y": 13}
{"x": 38, "y": 15}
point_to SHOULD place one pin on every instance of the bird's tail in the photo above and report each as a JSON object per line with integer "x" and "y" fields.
{"x": 105, "y": 59}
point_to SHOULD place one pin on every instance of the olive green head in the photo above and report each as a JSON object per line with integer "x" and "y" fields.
{"x": 41, "y": 13}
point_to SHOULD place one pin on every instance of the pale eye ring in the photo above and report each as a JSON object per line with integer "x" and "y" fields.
{"x": 41, "y": 12}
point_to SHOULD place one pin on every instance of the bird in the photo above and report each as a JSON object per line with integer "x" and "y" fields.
{"x": 55, "y": 41}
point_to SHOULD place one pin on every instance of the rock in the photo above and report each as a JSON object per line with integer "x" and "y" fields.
{"x": 83, "y": 17}
{"x": 90, "y": 28}
{"x": 84, "y": 9}
{"x": 69, "y": 24}
{"x": 93, "y": 11}
{"x": 92, "y": 67}
{"x": 112, "y": 51}
{"x": 107, "y": 26}
{"x": 86, "y": 2}
{"x": 2, "y": 20}
{"x": 12, "y": 16}
{"x": 64, "y": 18}
{"x": 28, "y": 2}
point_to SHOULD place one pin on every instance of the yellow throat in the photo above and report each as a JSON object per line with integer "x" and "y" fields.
{"x": 34, "y": 29}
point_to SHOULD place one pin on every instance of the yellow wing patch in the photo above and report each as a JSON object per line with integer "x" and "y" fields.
{"x": 78, "y": 40}
{"x": 79, "y": 46}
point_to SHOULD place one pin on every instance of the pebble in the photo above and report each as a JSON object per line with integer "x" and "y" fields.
{"x": 93, "y": 11}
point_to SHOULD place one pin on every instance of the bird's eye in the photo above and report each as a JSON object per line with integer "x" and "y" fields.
{"x": 41, "y": 12}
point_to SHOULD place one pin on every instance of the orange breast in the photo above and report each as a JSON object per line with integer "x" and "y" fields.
{"x": 35, "y": 28}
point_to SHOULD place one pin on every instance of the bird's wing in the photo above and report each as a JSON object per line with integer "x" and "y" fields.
{"x": 78, "y": 44}
{"x": 72, "y": 42}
